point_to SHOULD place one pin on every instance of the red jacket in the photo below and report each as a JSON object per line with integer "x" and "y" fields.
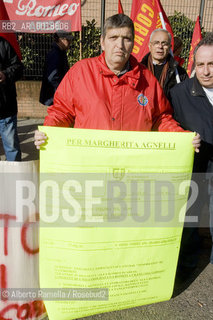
{"x": 91, "y": 96}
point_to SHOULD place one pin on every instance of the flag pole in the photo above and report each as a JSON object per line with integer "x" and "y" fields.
{"x": 164, "y": 27}
{"x": 80, "y": 49}
{"x": 202, "y": 4}
{"x": 102, "y": 16}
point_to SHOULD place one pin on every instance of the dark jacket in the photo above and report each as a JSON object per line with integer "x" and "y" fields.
{"x": 55, "y": 68}
{"x": 194, "y": 112}
{"x": 170, "y": 80}
{"x": 12, "y": 67}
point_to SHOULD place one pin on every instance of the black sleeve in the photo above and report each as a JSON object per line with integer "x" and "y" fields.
{"x": 12, "y": 66}
{"x": 53, "y": 72}
{"x": 182, "y": 72}
{"x": 175, "y": 103}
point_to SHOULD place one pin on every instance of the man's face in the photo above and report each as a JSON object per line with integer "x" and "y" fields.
{"x": 117, "y": 44}
{"x": 204, "y": 66}
{"x": 159, "y": 46}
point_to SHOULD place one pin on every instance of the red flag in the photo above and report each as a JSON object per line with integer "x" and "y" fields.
{"x": 9, "y": 36}
{"x": 145, "y": 15}
{"x": 196, "y": 37}
{"x": 44, "y": 16}
{"x": 120, "y": 8}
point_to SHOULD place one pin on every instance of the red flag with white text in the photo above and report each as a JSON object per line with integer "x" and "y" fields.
{"x": 120, "y": 7}
{"x": 42, "y": 16}
{"x": 196, "y": 37}
{"x": 145, "y": 15}
{"x": 11, "y": 36}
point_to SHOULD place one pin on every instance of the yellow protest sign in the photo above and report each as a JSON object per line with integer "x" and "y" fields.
{"x": 112, "y": 205}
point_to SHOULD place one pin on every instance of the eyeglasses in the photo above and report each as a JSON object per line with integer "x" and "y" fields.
{"x": 158, "y": 43}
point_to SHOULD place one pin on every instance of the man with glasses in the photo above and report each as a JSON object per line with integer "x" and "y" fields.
{"x": 160, "y": 62}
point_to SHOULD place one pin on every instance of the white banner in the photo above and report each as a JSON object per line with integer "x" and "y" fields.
{"x": 19, "y": 261}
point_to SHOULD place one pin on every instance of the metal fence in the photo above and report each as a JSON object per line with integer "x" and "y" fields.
{"x": 35, "y": 46}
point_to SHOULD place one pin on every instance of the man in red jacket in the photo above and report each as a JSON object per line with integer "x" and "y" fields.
{"x": 112, "y": 91}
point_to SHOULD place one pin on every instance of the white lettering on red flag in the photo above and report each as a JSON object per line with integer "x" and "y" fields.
{"x": 45, "y": 12}
{"x": 145, "y": 15}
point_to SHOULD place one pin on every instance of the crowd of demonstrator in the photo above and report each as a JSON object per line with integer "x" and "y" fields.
{"x": 116, "y": 92}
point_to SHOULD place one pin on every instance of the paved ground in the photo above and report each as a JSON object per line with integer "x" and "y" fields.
{"x": 193, "y": 295}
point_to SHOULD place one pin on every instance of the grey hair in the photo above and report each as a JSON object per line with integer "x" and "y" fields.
{"x": 118, "y": 21}
{"x": 161, "y": 30}
{"x": 207, "y": 41}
